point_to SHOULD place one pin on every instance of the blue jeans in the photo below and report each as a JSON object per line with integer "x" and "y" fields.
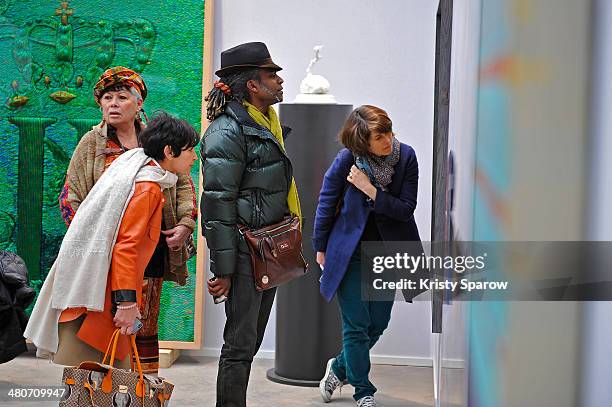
{"x": 362, "y": 324}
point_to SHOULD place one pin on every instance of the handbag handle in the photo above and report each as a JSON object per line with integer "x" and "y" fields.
{"x": 112, "y": 347}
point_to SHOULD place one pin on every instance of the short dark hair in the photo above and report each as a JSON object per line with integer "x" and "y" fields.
{"x": 166, "y": 130}
{"x": 364, "y": 120}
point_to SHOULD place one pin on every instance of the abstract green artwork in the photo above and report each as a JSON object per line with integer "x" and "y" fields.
{"x": 51, "y": 54}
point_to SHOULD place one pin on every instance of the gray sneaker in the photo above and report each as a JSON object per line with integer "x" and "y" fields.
{"x": 329, "y": 383}
{"x": 367, "y": 401}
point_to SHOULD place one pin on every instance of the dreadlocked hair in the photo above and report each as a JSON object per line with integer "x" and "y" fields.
{"x": 217, "y": 98}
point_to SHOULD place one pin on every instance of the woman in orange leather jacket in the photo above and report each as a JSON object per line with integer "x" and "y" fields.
{"x": 170, "y": 143}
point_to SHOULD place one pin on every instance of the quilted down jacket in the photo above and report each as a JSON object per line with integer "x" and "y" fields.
{"x": 246, "y": 179}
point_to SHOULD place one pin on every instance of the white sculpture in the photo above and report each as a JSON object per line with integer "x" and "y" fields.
{"x": 314, "y": 88}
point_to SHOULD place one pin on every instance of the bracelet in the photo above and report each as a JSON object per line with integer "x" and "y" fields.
{"x": 124, "y": 307}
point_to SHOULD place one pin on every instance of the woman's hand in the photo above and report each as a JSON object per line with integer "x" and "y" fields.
{"x": 124, "y": 318}
{"x": 220, "y": 286}
{"x": 361, "y": 182}
{"x": 176, "y": 237}
{"x": 321, "y": 259}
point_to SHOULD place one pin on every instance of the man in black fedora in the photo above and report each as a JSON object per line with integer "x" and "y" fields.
{"x": 248, "y": 181}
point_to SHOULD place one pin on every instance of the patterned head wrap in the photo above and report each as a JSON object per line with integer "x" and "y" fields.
{"x": 119, "y": 75}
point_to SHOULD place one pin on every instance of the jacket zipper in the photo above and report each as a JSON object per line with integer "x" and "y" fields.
{"x": 254, "y": 212}
{"x": 258, "y": 207}
{"x": 289, "y": 166}
{"x": 276, "y": 228}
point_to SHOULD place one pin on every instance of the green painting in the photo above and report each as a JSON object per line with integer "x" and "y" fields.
{"x": 52, "y": 53}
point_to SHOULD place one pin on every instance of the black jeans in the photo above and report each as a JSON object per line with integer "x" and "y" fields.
{"x": 247, "y": 313}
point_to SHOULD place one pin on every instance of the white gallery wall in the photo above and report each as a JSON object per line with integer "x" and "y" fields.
{"x": 596, "y": 351}
{"x": 378, "y": 52}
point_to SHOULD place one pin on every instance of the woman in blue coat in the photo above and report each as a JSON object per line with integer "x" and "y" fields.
{"x": 375, "y": 180}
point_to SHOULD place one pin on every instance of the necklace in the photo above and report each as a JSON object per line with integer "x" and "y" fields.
{"x": 124, "y": 148}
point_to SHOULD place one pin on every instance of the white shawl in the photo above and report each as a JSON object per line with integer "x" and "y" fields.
{"x": 79, "y": 274}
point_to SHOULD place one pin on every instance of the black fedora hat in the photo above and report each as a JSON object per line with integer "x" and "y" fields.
{"x": 245, "y": 56}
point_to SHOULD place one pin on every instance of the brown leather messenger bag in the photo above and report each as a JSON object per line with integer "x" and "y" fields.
{"x": 276, "y": 252}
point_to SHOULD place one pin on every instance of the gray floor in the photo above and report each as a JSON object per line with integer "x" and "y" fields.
{"x": 399, "y": 386}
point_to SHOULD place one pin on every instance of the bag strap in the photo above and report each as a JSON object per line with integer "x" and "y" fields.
{"x": 112, "y": 347}
{"x": 140, "y": 386}
{"x": 112, "y": 342}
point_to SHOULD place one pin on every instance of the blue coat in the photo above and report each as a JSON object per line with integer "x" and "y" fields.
{"x": 394, "y": 209}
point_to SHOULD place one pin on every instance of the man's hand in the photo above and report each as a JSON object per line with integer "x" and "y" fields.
{"x": 176, "y": 237}
{"x": 361, "y": 182}
{"x": 220, "y": 286}
{"x": 321, "y": 259}
{"x": 124, "y": 318}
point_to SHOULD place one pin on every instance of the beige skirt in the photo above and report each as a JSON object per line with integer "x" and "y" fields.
{"x": 71, "y": 351}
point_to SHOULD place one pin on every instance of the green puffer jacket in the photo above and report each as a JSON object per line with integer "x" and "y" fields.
{"x": 246, "y": 179}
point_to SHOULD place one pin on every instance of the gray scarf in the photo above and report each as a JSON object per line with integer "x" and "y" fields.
{"x": 380, "y": 170}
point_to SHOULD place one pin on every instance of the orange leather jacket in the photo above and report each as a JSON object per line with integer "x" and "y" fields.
{"x": 136, "y": 240}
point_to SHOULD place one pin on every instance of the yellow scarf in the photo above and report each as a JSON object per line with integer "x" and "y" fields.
{"x": 272, "y": 123}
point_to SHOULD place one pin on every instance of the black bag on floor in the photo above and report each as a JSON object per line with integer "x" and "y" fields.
{"x": 15, "y": 297}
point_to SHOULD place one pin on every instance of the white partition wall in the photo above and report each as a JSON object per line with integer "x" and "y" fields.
{"x": 461, "y": 144}
{"x": 597, "y": 328}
